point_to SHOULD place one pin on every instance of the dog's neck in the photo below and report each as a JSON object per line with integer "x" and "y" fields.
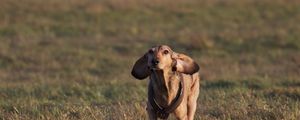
{"x": 165, "y": 85}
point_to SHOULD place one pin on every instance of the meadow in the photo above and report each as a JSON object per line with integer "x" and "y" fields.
{"x": 72, "y": 59}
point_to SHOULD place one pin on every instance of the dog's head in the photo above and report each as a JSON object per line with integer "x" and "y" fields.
{"x": 163, "y": 58}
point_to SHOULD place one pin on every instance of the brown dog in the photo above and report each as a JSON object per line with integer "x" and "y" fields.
{"x": 174, "y": 83}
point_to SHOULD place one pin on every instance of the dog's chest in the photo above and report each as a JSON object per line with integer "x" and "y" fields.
{"x": 165, "y": 90}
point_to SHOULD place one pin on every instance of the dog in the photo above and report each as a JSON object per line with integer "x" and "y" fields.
{"x": 174, "y": 83}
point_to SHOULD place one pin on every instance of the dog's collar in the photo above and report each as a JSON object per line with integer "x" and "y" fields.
{"x": 163, "y": 112}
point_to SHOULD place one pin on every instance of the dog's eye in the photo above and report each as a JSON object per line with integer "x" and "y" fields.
{"x": 166, "y": 52}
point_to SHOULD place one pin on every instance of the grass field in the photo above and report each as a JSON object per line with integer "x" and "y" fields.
{"x": 72, "y": 59}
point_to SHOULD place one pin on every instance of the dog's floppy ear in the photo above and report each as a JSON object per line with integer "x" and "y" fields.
{"x": 184, "y": 64}
{"x": 140, "y": 69}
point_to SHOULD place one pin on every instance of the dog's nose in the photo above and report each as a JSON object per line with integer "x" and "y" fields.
{"x": 155, "y": 62}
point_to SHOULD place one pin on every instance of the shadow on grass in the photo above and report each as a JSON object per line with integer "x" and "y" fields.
{"x": 253, "y": 84}
{"x": 219, "y": 84}
{"x": 290, "y": 83}
{"x": 290, "y": 93}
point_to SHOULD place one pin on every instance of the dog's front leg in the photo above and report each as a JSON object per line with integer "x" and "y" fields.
{"x": 151, "y": 112}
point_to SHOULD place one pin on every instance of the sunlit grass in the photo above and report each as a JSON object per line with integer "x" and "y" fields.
{"x": 72, "y": 59}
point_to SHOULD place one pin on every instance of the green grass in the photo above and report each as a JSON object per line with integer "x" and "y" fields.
{"x": 72, "y": 59}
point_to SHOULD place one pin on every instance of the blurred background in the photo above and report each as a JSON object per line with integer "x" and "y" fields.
{"x": 72, "y": 59}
